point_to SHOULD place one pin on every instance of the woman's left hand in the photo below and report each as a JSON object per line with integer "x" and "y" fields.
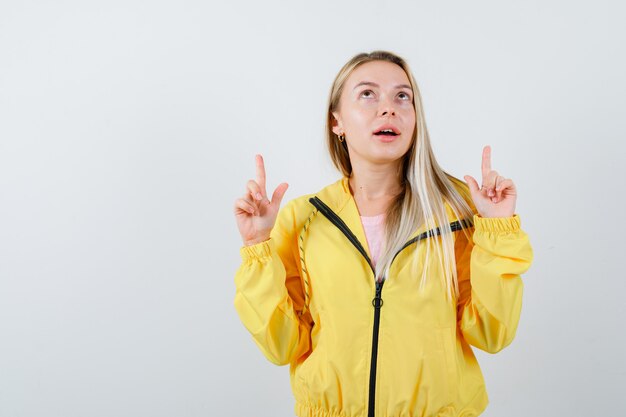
{"x": 497, "y": 195}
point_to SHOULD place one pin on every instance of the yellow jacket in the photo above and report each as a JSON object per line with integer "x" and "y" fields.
{"x": 356, "y": 348}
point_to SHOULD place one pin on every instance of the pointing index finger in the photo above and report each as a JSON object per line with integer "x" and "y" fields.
{"x": 486, "y": 164}
{"x": 260, "y": 173}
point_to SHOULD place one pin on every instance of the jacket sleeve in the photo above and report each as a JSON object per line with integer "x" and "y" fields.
{"x": 269, "y": 294}
{"x": 490, "y": 287}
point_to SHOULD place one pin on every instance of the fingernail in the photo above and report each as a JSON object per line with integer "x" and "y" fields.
{"x": 490, "y": 193}
{"x": 258, "y": 196}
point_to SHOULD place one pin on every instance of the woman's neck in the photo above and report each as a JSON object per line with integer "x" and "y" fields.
{"x": 374, "y": 190}
{"x": 375, "y": 183}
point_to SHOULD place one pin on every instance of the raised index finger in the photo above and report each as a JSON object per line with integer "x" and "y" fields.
{"x": 486, "y": 165}
{"x": 260, "y": 173}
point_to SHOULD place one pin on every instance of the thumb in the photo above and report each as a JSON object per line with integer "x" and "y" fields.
{"x": 279, "y": 192}
{"x": 471, "y": 182}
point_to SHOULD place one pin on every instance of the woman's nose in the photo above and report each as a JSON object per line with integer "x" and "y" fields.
{"x": 386, "y": 107}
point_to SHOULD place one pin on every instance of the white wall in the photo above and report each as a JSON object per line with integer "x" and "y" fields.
{"x": 128, "y": 129}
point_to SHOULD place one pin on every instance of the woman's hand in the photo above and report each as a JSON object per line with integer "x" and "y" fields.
{"x": 255, "y": 214}
{"x": 497, "y": 195}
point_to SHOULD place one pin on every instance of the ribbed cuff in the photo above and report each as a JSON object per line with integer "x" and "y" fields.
{"x": 258, "y": 251}
{"x": 497, "y": 224}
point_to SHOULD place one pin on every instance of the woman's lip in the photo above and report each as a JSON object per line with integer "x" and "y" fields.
{"x": 386, "y": 138}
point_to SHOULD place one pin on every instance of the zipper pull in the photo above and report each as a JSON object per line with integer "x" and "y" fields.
{"x": 377, "y": 301}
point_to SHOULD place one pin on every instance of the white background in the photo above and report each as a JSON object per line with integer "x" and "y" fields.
{"x": 129, "y": 128}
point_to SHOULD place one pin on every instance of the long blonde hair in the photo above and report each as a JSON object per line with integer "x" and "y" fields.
{"x": 426, "y": 185}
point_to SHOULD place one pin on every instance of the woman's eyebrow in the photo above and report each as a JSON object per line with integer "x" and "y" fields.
{"x": 376, "y": 85}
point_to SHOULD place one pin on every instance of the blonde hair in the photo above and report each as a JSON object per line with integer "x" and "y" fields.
{"x": 426, "y": 185}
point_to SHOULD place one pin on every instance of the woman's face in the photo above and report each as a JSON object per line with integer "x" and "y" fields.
{"x": 376, "y": 95}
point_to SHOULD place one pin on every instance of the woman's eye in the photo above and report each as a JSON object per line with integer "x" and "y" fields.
{"x": 370, "y": 93}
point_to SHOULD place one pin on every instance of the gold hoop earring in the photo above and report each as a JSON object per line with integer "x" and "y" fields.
{"x": 342, "y": 137}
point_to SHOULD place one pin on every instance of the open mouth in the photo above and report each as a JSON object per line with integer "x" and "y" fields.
{"x": 386, "y": 132}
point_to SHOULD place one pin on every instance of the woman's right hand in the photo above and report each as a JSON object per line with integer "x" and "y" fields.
{"x": 256, "y": 214}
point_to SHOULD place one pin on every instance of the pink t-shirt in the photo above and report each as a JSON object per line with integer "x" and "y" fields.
{"x": 374, "y": 227}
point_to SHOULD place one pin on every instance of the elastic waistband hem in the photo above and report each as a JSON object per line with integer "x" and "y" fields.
{"x": 304, "y": 410}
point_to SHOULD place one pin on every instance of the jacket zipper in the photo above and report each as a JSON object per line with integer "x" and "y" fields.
{"x": 377, "y": 301}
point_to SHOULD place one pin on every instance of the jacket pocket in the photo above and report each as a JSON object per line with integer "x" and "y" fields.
{"x": 308, "y": 368}
{"x": 446, "y": 339}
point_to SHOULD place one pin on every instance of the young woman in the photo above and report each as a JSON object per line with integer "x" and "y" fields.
{"x": 374, "y": 288}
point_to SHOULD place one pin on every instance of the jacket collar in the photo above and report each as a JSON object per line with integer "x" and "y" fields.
{"x": 337, "y": 197}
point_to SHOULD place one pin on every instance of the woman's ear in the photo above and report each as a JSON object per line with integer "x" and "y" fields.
{"x": 337, "y": 125}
